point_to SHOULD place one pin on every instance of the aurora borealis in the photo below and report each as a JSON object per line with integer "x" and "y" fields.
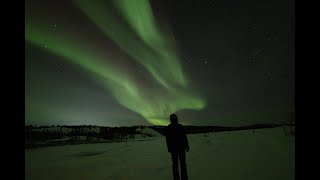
{"x": 133, "y": 62}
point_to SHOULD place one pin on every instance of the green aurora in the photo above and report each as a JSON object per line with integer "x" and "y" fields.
{"x": 139, "y": 35}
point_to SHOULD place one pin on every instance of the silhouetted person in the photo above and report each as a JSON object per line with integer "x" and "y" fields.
{"x": 177, "y": 143}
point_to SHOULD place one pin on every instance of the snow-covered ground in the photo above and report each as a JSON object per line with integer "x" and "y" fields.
{"x": 267, "y": 154}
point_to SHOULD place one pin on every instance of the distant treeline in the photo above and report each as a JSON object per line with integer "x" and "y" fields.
{"x": 41, "y": 133}
{"x": 77, "y": 126}
{"x": 54, "y": 132}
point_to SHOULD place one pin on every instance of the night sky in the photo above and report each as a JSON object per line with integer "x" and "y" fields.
{"x": 135, "y": 62}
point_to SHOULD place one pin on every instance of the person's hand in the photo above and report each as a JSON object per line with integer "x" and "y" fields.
{"x": 187, "y": 149}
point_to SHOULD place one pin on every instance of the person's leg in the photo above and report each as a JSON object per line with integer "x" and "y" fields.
{"x": 183, "y": 165}
{"x": 175, "y": 169}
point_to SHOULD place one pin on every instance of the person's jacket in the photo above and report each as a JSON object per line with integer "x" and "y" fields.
{"x": 176, "y": 138}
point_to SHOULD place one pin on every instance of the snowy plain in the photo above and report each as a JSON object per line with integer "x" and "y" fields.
{"x": 266, "y": 154}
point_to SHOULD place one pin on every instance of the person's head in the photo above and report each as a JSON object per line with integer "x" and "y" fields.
{"x": 173, "y": 119}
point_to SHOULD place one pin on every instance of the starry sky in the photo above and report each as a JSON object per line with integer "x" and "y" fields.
{"x": 135, "y": 62}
